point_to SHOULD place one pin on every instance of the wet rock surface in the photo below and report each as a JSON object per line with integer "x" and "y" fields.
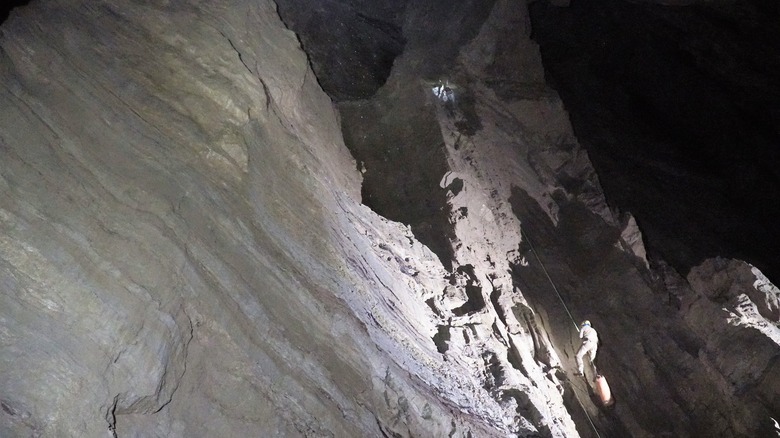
{"x": 201, "y": 243}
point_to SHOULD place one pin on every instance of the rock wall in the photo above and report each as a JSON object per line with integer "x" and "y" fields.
{"x": 184, "y": 250}
{"x": 472, "y": 132}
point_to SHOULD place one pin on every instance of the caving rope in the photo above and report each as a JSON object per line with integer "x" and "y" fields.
{"x": 555, "y": 288}
{"x": 565, "y": 307}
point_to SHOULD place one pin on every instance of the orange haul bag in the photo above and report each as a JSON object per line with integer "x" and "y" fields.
{"x": 602, "y": 390}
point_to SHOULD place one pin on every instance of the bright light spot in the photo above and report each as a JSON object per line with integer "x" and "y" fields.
{"x": 444, "y": 92}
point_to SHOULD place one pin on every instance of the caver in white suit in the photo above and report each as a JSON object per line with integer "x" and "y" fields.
{"x": 590, "y": 344}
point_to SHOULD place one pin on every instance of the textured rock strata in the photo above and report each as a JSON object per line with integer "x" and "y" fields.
{"x": 184, "y": 251}
{"x": 511, "y": 155}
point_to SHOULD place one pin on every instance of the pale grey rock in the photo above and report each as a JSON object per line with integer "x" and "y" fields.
{"x": 732, "y": 310}
{"x": 631, "y": 239}
{"x": 183, "y": 253}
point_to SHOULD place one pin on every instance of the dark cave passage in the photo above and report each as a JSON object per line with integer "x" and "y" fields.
{"x": 679, "y": 109}
{"x": 403, "y": 155}
{"x": 388, "y": 127}
{"x": 5, "y": 9}
{"x": 351, "y": 46}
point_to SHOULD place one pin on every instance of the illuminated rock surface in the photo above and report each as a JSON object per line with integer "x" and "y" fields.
{"x": 184, "y": 250}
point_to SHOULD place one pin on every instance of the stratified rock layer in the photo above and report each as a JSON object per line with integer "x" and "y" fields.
{"x": 184, "y": 252}
{"x": 511, "y": 161}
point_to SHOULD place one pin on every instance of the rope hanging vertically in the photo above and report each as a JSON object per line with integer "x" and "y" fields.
{"x": 555, "y": 288}
{"x": 525, "y": 237}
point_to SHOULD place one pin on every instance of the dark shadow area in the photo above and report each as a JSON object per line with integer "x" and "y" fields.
{"x": 679, "y": 109}
{"x": 437, "y": 29}
{"x": 455, "y": 187}
{"x": 495, "y": 294}
{"x": 659, "y": 370}
{"x": 468, "y": 122}
{"x": 442, "y": 338}
{"x": 391, "y": 128}
{"x": 495, "y": 375}
{"x": 5, "y": 9}
{"x": 475, "y": 301}
{"x": 351, "y": 44}
{"x": 561, "y": 251}
{"x": 399, "y": 145}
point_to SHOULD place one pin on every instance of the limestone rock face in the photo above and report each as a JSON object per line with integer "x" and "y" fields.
{"x": 744, "y": 351}
{"x": 469, "y": 146}
{"x": 196, "y": 241}
{"x": 183, "y": 249}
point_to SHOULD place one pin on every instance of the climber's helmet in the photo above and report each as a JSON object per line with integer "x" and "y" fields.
{"x": 585, "y": 323}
